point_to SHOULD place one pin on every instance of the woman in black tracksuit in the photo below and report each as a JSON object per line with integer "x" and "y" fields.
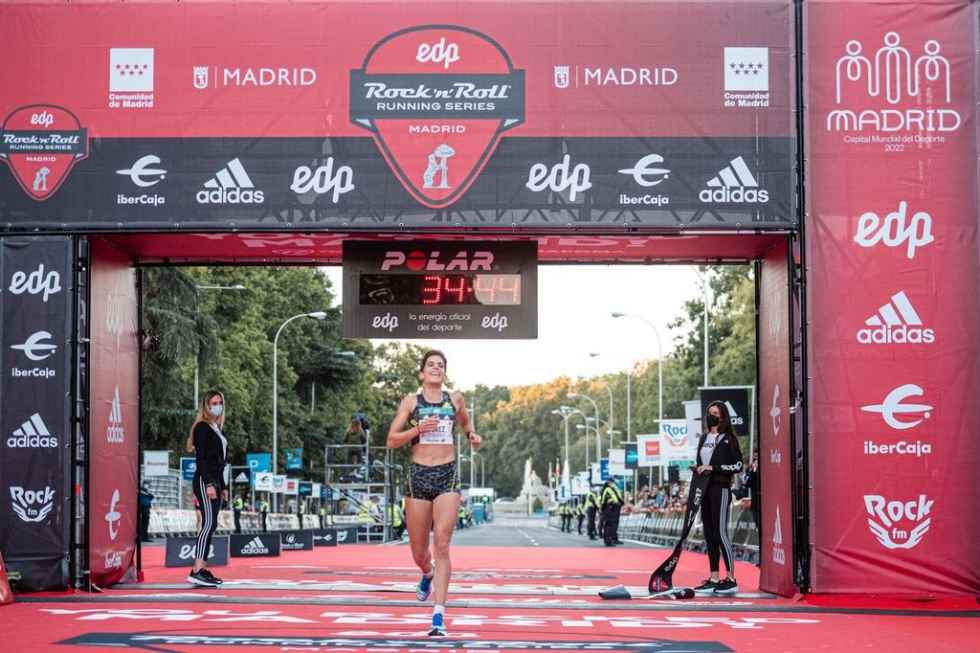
{"x": 720, "y": 456}
{"x": 210, "y": 484}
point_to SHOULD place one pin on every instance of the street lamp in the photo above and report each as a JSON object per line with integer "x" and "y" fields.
{"x": 197, "y": 355}
{"x": 566, "y": 412}
{"x": 660, "y": 375}
{"x": 579, "y": 395}
{"x": 609, "y": 390}
{"x": 316, "y": 315}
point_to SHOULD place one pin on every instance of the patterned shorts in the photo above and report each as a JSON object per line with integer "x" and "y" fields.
{"x": 427, "y": 483}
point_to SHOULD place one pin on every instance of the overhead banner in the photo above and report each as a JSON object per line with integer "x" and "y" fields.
{"x": 893, "y": 278}
{"x": 35, "y": 309}
{"x": 113, "y": 416}
{"x": 517, "y": 115}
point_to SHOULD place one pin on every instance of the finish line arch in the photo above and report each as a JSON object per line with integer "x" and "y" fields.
{"x": 616, "y": 133}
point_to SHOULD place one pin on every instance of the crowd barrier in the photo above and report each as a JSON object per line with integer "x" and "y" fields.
{"x": 663, "y": 529}
{"x": 175, "y": 522}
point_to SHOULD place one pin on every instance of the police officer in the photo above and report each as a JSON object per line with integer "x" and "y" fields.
{"x": 395, "y": 519}
{"x": 591, "y": 508}
{"x": 580, "y": 515}
{"x": 237, "y": 506}
{"x": 611, "y": 501}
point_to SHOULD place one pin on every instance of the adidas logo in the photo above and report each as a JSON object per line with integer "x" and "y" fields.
{"x": 778, "y": 552}
{"x": 231, "y": 185}
{"x": 115, "y": 433}
{"x": 32, "y": 434}
{"x": 895, "y": 323}
{"x": 735, "y": 184}
{"x": 255, "y": 546}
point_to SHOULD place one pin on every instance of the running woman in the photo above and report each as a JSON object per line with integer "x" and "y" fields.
{"x": 427, "y": 421}
{"x": 210, "y": 484}
{"x": 719, "y": 456}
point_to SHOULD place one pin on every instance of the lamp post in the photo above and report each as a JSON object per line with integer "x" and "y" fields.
{"x": 609, "y": 390}
{"x": 316, "y": 315}
{"x": 704, "y": 282}
{"x": 197, "y": 355}
{"x": 660, "y": 377}
{"x": 566, "y": 412}
{"x": 579, "y": 395}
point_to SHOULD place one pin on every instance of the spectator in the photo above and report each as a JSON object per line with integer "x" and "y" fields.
{"x": 145, "y": 503}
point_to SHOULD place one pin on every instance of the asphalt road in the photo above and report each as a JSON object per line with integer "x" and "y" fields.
{"x": 526, "y": 532}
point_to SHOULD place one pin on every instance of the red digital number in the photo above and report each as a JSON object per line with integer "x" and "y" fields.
{"x": 431, "y": 289}
{"x": 458, "y": 290}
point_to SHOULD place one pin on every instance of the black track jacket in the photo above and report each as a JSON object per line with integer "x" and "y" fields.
{"x": 210, "y": 458}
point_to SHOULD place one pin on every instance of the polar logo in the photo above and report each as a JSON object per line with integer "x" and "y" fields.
{"x": 388, "y": 322}
{"x": 885, "y": 514}
{"x": 342, "y": 536}
{"x": 113, "y": 516}
{"x": 438, "y": 53}
{"x": 36, "y": 283}
{"x": 892, "y": 407}
{"x": 323, "y": 180}
{"x": 895, "y": 230}
{"x": 433, "y": 261}
{"x": 560, "y": 177}
{"x": 33, "y": 346}
{"x": 32, "y": 506}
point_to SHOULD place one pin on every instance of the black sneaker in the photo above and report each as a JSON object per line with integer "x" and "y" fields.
{"x": 207, "y": 572}
{"x": 727, "y": 587}
{"x": 200, "y": 579}
{"x": 706, "y": 588}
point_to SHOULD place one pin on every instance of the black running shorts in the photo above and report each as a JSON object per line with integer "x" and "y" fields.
{"x": 426, "y": 483}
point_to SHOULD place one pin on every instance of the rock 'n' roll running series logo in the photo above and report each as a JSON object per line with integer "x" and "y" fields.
{"x": 436, "y": 99}
{"x": 41, "y": 143}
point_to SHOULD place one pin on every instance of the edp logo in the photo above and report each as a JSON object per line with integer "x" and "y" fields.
{"x": 560, "y": 177}
{"x": 36, "y": 283}
{"x": 387, "y": 321}
{"x": 43, "y": 119}
{"x": 323, "y": 180}
{"x": 495, "y": 321}
{"x": 438, "y": 53}
{"x": 895, "y": 229}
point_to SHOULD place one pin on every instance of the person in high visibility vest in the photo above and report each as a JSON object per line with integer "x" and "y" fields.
{"x": 580, "y": 515}
{"x": 591, "y": 508}
{"x": 236, "y": 508}
{"x": 395, "y": 519}
{"x": 611, "y": 502}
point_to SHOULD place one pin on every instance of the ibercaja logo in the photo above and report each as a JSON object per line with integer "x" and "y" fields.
{"x": 436, "y": 99}
{"x": 41, "y": 143}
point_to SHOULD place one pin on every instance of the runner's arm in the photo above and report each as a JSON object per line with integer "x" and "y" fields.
{"x": 398, "y": 435}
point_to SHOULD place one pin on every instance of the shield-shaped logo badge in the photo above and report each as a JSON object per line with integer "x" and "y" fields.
{"x": 200, "y": 77}
{"x": 41, "y": 143}
{"x": 562, "y": 76}
{"x": 436, "y": 99}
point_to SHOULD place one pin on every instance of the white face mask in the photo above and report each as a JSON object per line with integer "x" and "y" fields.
{"x": 216, "y": 410}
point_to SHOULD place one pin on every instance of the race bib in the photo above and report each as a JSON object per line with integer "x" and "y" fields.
{"x": 442, "y": 435}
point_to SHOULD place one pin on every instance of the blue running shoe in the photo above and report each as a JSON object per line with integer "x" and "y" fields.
{"x": 438, "y": 629}
{"x": 425, "y": 586}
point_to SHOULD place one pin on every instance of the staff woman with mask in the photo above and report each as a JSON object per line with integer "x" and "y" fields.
{"x": 719, "y": 456}
{"x": 210, "y": 484}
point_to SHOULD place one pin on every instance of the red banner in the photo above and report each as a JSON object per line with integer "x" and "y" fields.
{"x": 114, "y": 416}
{"x": 775, "y": 459}
{"x": 894, "y": 342}
{"x": 289, "y": 69}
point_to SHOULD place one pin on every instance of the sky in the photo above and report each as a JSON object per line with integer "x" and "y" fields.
{"x": 574, "y": 321}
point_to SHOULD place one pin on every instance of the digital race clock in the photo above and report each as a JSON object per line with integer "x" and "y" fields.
{"x": 437, "y": 289}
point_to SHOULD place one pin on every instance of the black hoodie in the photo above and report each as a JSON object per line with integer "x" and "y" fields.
{"x": 726, "y": 459}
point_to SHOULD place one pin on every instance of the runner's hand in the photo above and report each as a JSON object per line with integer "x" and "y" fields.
{"x": 428, "y": 424}
{"x": 475, "y": 440}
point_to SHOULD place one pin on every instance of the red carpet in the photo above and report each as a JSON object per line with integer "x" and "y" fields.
{"x": 503, "y": 600}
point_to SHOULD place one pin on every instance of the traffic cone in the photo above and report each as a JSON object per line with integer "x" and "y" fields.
{"x": 6, "y": 596}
